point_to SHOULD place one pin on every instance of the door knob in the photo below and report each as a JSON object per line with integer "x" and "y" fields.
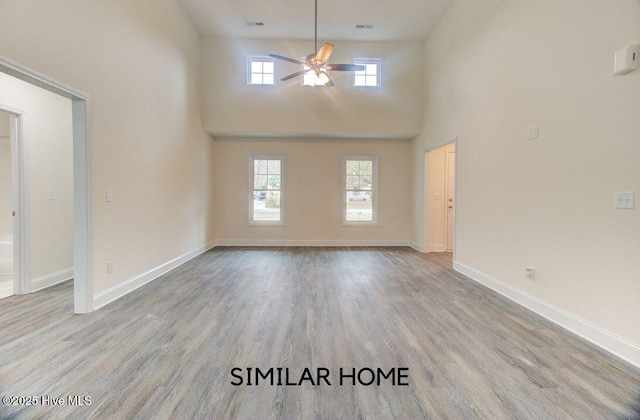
{"x": 450, "y": 207}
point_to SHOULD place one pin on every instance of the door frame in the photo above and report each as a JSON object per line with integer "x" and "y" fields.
{"x": 19, "y": 195}
{"x": 448, "y": 220}
{"x": 426, "y": 194}
{"x": 82, "y": 240}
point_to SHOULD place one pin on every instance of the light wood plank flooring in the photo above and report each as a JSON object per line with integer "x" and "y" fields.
{"x": 166, "y": 350}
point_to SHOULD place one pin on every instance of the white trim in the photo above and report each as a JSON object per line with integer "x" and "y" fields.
{"x": 50, "y": 279}
{"x": 82, "y": 238}
{"x": 19, "y": 201}
{"x": 312, "y": 242}
{"x": 438, "y": 248}
{"x": 103, "y": 298}
{"x": 6, "y": 266}
{"x": 418, "y": 247}
{"x": 375, "y": 192}
{"x": 614, "y": 344}
{"x": 446, "y": 142}
{"x": 30, "y": 76}
{"x": 82, "y": 241}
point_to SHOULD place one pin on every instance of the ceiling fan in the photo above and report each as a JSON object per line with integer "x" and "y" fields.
{"x": 317, "y": 63}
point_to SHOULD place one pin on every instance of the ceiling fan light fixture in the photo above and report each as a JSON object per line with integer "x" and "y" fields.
{"x": 315, "y": 77}
{"x": 323, "y": 78}
{"x": 315, "y": 64}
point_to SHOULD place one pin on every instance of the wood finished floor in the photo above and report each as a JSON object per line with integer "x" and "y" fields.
{"x": 166, "y": 350}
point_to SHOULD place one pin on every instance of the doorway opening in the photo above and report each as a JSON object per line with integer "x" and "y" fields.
{"x": 440, "y": 197}
{"x": 83, "y": 296}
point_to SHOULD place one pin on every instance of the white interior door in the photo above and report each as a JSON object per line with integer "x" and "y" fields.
{"x": 450, "y": 196}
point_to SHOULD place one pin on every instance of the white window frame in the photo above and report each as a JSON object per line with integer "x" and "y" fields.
{"x": 262, "y": 60}
{"x": 250, "y": 190}
{"x": 374, "y": 191}
{"x": 365, "y": 61}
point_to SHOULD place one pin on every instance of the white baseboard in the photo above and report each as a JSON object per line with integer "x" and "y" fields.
{"x": 437, "y": 248}
{"x": 116, "y": 292}
{"x": 610, "y": 342}
{"x": 417, "y": 247}
{"x": 310, "y": 242}
{"x": 50, "y": 279}
{"x": 6, "y": 266}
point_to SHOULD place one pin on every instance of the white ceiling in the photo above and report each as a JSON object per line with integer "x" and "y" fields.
{"x": 392, "y": 20}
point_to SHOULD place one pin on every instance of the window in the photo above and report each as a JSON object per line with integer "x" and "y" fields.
{"x": 266, "y": 190}
{"x": 370, "y": 76}
{"x": 261, "y": 71}
{"x": 360, "y": 196}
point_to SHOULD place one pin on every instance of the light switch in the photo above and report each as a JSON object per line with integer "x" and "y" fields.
{"x": 534, "y": 132}
{"x": 52, "y": 195}
{"x": 626, "y": 60}
{"x": 109, "y": 196}
{"x": 624, "y": 200}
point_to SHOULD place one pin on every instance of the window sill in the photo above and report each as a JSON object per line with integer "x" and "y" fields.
{"x": 362, "y": 224}
{"x": 266, "y": 224}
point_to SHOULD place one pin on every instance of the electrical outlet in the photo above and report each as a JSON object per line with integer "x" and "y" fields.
{"x": 109, "y": 196}
{"x": 52, "y": 195}
{"x": 624, "y": 200}
{"x": 109, "y": 266}
{"x": 530, "y": 273}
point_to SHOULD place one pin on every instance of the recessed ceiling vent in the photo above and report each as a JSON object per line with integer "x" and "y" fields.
{"x": 364, "y": 26}
{"x": 254, "y": 23}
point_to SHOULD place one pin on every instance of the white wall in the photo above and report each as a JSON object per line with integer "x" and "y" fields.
{"x": 4, "y": 125}
{"x": 232, "y": 107}
{"x": 48, "y": 160}
{"x": 140, "y": 62}
{"x": 313, "y": 192}
{"x": 495, "y": 67}
{"x": 6, "y": 227}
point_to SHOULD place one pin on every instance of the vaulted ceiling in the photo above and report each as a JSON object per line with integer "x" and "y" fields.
{"x": 391, "y": 20}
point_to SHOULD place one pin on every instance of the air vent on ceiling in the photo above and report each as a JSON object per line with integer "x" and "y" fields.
{"x": 364, "y": 26}
{"x": 254, "y": 23}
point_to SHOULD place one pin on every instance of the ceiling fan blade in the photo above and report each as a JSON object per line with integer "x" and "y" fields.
{"x": 294, "y": 75}
{"x": 324, "y": 77}
{"x": 329, "y": 83}
{"x": 291, "y": 60}
{"x": 324, "y": 53}
{"x": 344, "y": 67}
